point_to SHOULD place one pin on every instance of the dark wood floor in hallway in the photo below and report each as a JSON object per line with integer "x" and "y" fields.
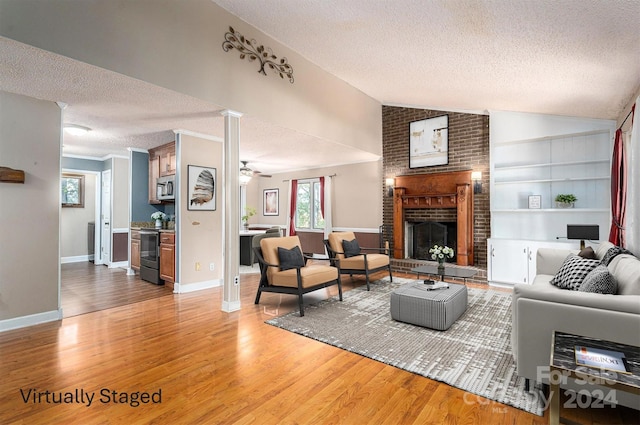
{"x": 86, "y": 287}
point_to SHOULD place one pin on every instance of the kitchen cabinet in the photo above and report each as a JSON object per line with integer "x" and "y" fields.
{"x": 513, "y": 261}
{"x": 167, "y": 257}
{"x": 168, "y": 160}
{"x": 135, "y": 249}
{"x": 162, "y": 162}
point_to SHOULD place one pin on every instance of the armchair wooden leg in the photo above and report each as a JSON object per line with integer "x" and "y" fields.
{"x": 390, "y": 276}
{"x": 258, "y": 295}
{"x": 340, "y": 287}
{"x": 301, "y": 304}
{"x": 366, "y": 273}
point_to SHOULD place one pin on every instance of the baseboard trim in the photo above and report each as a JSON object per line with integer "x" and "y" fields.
{"x": 119, "y": 265}
{"x": 76, "y": 259}
{"x": 230, "y": 306}
{"x": 197, "y": 286}
{"x": 30, "y": 320}
{"x": 501, "y": 285}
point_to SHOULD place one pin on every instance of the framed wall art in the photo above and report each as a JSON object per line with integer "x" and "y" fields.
{"x": 72, "y": 186}
{"x": 270, "y": 202}
{"x": 201, "y": 188}
{"x": 429, "y": 142}
{"x": 535, "y": 202}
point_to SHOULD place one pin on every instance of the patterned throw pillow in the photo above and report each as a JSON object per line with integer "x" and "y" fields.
{"x": 573, "y": 271}
{"x": 611, "y": 254}
{"x": 599, "y": 280}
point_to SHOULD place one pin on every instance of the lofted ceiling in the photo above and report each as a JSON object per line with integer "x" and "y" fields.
{"x": 575, "y": 57}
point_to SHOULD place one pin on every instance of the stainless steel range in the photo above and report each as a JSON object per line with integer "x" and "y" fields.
{"x": 150, "y": 256}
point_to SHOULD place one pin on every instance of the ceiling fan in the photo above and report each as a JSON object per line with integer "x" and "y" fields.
{"x": 248, "y": 172}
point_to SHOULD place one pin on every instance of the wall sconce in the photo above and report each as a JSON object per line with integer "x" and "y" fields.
{"x": 476, "y": 176}
{"x": 390, "y": 183}
{"x": 582, "y": 232}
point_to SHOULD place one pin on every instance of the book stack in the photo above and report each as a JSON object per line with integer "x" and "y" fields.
{"x": 433, "y": 284}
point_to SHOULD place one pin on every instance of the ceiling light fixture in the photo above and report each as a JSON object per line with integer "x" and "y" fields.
{"x": 245, "y": 174}
{"x": 76, "y": 130}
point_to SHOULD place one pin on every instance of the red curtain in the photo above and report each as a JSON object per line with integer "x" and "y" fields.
{"x": 618, "y": 191}
{"x": 322, "y": 195}
{"x": 292, "y": 207}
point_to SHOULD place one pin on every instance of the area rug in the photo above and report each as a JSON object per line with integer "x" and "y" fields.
{"x": 474, "y": 354}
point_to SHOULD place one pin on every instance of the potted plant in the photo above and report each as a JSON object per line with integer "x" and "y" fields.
{"x": 248, "y": 213}
{"x": 565, "y": 200}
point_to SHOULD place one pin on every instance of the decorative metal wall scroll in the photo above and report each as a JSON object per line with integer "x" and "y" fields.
{"x": 248, "y": 48}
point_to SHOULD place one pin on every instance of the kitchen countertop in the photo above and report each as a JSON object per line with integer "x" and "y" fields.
{"x": 139, "y": 225}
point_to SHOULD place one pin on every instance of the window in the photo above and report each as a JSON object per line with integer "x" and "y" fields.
{"x": 72, "y": 186}
{"x": 308, "y": 210}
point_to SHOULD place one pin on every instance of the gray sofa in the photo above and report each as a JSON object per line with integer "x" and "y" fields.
{"x": 540, "y": 308}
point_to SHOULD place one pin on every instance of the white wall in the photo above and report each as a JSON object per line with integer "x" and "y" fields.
{"x": 200, "y": 233}
{"x": 357, "y": 190}
{"x": 178, "y": 45}
{"x": 74, "y": 223}
{"x": 120, "y": 193}
{"x": 30, "y": 140}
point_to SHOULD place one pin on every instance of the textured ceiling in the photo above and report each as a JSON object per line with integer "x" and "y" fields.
{"x": 571, "y": 57}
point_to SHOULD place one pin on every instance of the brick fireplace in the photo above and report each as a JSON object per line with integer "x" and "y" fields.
{"x": 449, "y": 190}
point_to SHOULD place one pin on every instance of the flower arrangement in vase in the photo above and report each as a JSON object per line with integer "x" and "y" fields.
{"x": 440, "y": 254}
{"x": 159, "y": 217}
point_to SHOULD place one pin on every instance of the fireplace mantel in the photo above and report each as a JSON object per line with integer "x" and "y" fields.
{"x": 439, "y": 190}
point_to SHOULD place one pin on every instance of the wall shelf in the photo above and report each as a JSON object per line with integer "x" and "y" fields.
{"x": 574, "y": 162}
{"x": 548, "y": 164}
{"x": 551, "y": 210}
{"x": 568, "y": 179}
{"x": 538, "y": 140}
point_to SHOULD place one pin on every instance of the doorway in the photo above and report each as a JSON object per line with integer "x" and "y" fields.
{"x": 87, "y": 283}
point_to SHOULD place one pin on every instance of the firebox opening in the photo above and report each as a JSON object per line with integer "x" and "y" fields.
{"x": 430, "y": 233}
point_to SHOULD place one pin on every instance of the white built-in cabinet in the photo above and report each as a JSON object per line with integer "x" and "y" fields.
{"x": 512, "y": 261}
{"x": 535, "y": 157}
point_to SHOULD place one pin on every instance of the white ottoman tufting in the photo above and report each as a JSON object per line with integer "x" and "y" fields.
{"x": 437, "y": 309}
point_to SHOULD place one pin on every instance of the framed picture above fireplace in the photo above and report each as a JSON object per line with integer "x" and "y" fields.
{"x": 429, "y": 142}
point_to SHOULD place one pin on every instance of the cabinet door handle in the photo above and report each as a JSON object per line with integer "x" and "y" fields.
{"x": 493, "y": 252}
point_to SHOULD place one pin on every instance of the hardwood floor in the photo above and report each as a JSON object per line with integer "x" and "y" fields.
{"x": 86, "y": 287}
{"x": 200, "y": 365}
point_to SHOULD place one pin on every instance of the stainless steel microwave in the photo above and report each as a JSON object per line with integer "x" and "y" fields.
{"x": 165, "y": 188}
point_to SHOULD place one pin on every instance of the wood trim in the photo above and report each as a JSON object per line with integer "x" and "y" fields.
{"x": 439, "y": 190}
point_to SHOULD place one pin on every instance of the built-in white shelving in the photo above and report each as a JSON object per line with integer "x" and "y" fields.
{"x": 537, "y": 157}
{"x": 576, "y": 163}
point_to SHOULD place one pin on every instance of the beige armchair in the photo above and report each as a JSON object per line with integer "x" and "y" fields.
{"x": 284, "y": 270}
{"x": 356, "y": 261}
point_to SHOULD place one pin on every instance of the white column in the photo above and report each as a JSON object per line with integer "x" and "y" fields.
{"x": 231, "y": 192}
